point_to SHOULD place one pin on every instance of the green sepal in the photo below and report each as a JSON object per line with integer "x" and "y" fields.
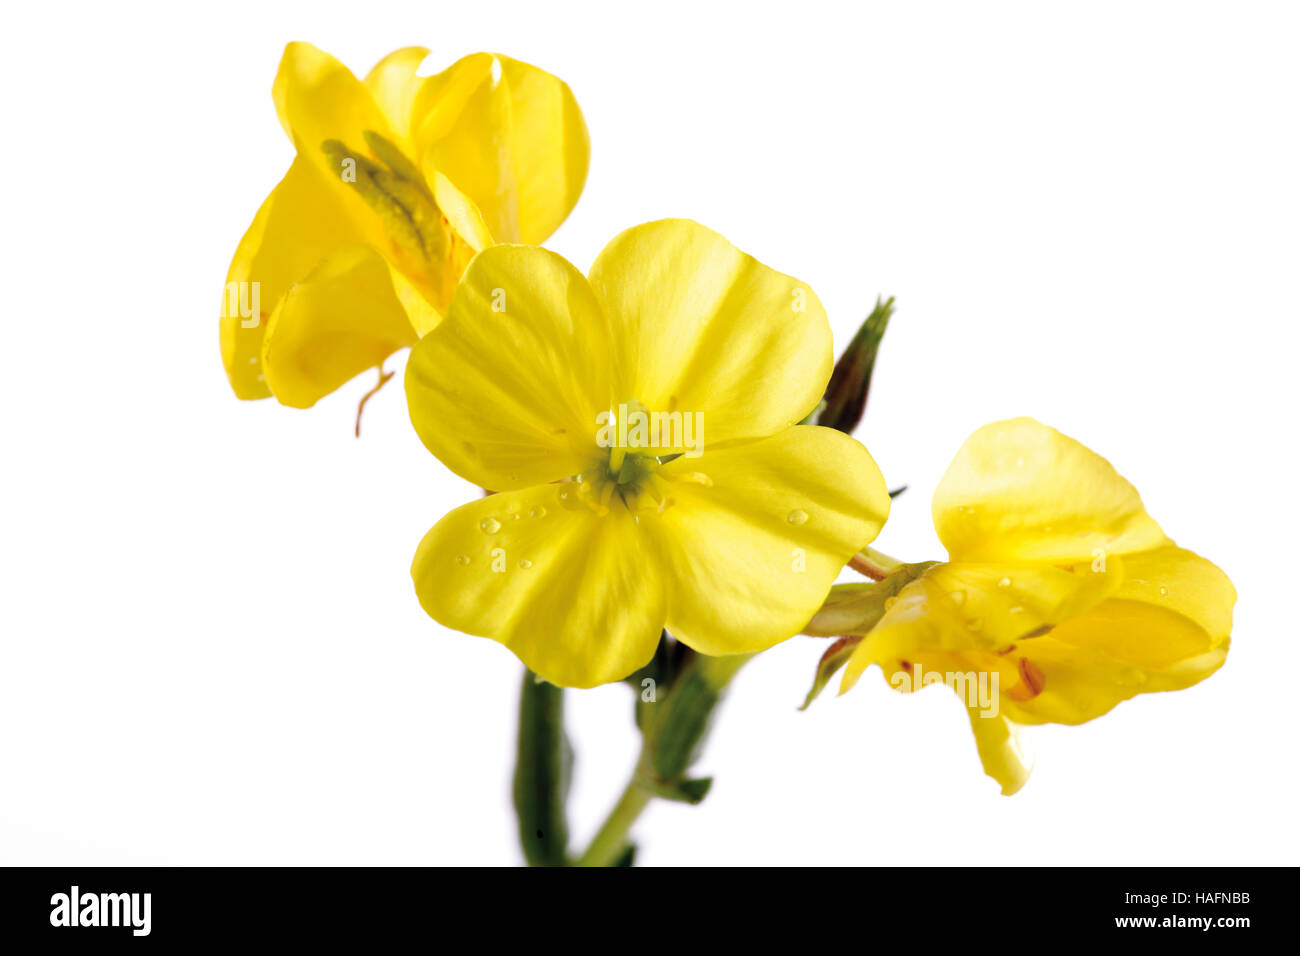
{"x": 832, "y": 660}
{"x": 855, "y": 608}
{"x": 848, "y": 614}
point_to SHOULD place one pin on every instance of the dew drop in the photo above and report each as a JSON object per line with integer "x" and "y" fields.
{"x": 890, "y": 602}
{"x": 1015, "y": 610}
{"x": 462, "y": 560}
{"x": 490, "y": 525}
{"x": 958, "y": 597}
{"x": 798, "y": 516}
{"x": 525, "y": 564}
{"x": 1164, "y": 591}
{"x": 538, "y": 512}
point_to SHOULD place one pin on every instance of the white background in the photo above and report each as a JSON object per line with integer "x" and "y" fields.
{"x": 211, "y": 648}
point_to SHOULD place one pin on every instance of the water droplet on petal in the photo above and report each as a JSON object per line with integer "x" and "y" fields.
{"x": 890, "y": 602}
{"x": 463, "y": 560}
{"x": 1164, "y": 591}
{"x": 1004, "y": 583}
{"x": 796, "y": 517}
{"x": 490, "y": 525}
{"x": 958, "y": 597}
{"x": 1016, "y": 610}
{"x": 538, "y": 512}
{"x": 525, "y": 564}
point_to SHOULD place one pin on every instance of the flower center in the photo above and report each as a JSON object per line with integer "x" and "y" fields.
{"x": 626, "y": 479}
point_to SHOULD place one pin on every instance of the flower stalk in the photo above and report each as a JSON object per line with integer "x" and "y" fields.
{"x": 673, "y": 732}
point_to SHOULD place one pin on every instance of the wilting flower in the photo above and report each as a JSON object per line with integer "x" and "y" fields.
{"x": 583, "y": 402}
{"x": 1062, "y": 595}
{"x": 398, "y": 181}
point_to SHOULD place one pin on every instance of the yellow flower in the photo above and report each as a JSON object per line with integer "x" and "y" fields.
{"x": 398, "y": 181}
{"x": 728, "y": 526}
{"x": 1060, "y": 587}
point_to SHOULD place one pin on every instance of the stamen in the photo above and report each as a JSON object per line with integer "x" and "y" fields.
{"x": 361, "y": 406}
{"x": 398, "y": 195}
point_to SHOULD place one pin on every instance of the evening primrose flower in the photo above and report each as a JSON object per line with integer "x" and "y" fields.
{"x": 398, "y": 181}
{"x": 570, "y": 396}
{"x": 1061, "y": 592}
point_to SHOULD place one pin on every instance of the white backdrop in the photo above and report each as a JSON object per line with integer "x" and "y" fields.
{"x": 212, "y": 652}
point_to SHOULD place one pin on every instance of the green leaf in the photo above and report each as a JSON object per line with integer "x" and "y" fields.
{"x": 542, "y": 773}
{"x": 683, "y": 791}
{"x": 846, "y": 395}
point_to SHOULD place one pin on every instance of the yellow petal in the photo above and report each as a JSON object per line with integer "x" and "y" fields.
{"x": 1003, "y": 748}
{"x": 506, "y": 391}
{"x": 334, "y": 119}
{"x": 347, "y": 316}
{"x": 461, "y": 213}
{"x": 394, "y": 85}
{"x": 755, "y": 535}
{"x": 958, "y": 616}
{"x": 511, "y": 137}
{"x": 298, "y": 225}
{"x": 921, "y": 618}
{"x": 574, "y": 596}
{"x": 318, "y": 99}
{"x": 702, "y": 327}
{"x": 924, "y": 638}
{"x": 1020, "y": 491}
{"x": 1139, "y": 646}
{"x": 1182, "y": 582}
{"x": 1075, "y": 672}
{"x": 998, "y": 604}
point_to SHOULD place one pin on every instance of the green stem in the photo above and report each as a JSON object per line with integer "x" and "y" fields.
{"x": 611, "y": 841}
{"x": 541, "y": 783}
{"x": 673, "y": 733}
